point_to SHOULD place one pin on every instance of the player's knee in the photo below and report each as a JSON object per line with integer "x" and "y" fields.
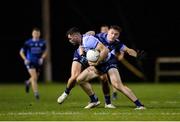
{"x": 116, "y": 85}
{"x": 78, "y": 80}
{"x": 34, "y": 78}
{"x": 103, "y": 78}
{"x": 72, "y": 78}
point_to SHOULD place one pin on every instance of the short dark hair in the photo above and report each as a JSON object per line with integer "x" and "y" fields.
{"x": 105, "y": 25}
{"x": 116, "y": 27}
{"x": 72, "y": 31}
{"x": 35, "y": 29}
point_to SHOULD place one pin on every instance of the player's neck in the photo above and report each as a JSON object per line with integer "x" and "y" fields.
{"x": 35, "y": 39}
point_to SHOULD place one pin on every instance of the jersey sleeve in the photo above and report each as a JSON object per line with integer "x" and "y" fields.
{"x": 44, "y": 47}
{"x": 100, "y": 35}
{"x": 91, "y": 42}
{"x": 120, "y": 45}
{"x": 24, "y": 48}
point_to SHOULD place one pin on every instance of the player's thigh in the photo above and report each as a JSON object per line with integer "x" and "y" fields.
{"x": 88, "y": 74}
{"x": 114, "y": 76}
{"x": 76, "y": 68}
{"x": 32, "y": 72}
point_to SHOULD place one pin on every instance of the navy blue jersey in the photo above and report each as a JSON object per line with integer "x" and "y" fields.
{"x": 34, "y": 49}
{"x": 116, "y": 46}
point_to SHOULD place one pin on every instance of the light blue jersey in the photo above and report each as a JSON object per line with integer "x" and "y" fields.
{"x": 90, "y": 42}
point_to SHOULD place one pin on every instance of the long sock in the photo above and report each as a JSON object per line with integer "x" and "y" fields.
{"x": 138, "y": 103}
{"x": 114, "y": 94}
{"x": 67, "y": 90}
{"x": 36, "y": 94}
{"x": 107, "y": 99}
{"x": 93, "y": 98}
{"x": 27, "y": 82}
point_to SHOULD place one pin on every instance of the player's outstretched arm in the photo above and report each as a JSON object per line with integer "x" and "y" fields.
{"x": 130, "y": 51}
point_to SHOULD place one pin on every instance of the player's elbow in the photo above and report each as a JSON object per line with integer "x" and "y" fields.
{"x": 21, "y": 52}
{"x": 106, "y": 51}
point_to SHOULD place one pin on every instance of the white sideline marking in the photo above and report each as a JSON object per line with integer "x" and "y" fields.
{"x": 154, "y": 102}
{"x": 40, "y": 113}
{"x": 77, "y": 113}
{"x": 169, "y": 102}
{"x": 127, "y": 113}
{"x": 172, "y": 102}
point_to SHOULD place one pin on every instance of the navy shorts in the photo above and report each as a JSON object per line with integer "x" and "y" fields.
{"x": 34, "y": 65}
{"x": 111, "y": 63}
{"x": 80, "y": 59}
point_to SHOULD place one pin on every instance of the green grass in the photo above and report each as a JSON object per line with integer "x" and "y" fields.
{"x": 162, "y": 102}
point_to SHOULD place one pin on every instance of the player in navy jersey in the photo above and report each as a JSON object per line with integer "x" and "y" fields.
{"x": 107, "y": 63}
{"x": 103, "y": 30}
{"x": 79, "y": 63}
{"x": 33, "y": 53}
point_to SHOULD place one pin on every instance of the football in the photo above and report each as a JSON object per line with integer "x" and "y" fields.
{"x": 92, "y": 55}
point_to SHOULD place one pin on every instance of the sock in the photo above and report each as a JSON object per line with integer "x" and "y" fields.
{"x": 36, "y": 93}
{"x": 114, "y": 94}
{"x": 27, "y": 82}
{"x": 93, "y": 98}
{"x": 67, "y": 90}
{"x": 138, "y": 103}
{"x": 107, "y": 99}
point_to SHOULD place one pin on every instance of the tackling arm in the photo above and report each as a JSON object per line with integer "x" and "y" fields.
{"x": 103, "y": 54}
{"x": 130, "y": 51}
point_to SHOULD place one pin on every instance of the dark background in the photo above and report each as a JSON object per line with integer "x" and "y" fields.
{"x": 152, "y": 26}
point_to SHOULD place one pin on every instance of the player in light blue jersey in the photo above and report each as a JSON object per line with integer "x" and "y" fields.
{"x": 109, "y": 65}
{"x": 78, "y": 65}
{"x": 33, "y": 53}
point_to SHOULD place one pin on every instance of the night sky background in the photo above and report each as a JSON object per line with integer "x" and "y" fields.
{"x": 153, "y": 26}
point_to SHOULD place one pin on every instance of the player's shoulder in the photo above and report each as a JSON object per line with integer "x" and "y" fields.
{"x": 101, "y": 35}
{"x": 42, "y": 41}
{"x": 28, "y": 41}
{"x": 88, "y": 37}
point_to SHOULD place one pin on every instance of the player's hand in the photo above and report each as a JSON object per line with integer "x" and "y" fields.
{"x": 83, "y": 61}
{"x": 92, "y": 63}
{"x": 26, "y": 61}
{"x": 41, "y": 60}
{"x": 141, "y": 54}
{"x": 132, "y": 52}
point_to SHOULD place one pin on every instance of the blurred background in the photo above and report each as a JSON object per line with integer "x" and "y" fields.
{"x": 153, "y": 26}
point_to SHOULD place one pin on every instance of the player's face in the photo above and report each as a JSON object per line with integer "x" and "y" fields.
{"x": 113, "y": 35}
{"x": 36, "y": 34}
{"x": 104, "y": 29}
{"x": 74, "y": 39}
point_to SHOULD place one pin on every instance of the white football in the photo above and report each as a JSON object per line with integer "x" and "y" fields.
{"x": 92, "y": 55}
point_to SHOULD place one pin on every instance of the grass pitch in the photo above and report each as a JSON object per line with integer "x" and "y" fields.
{"x": 162, "y": 102}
